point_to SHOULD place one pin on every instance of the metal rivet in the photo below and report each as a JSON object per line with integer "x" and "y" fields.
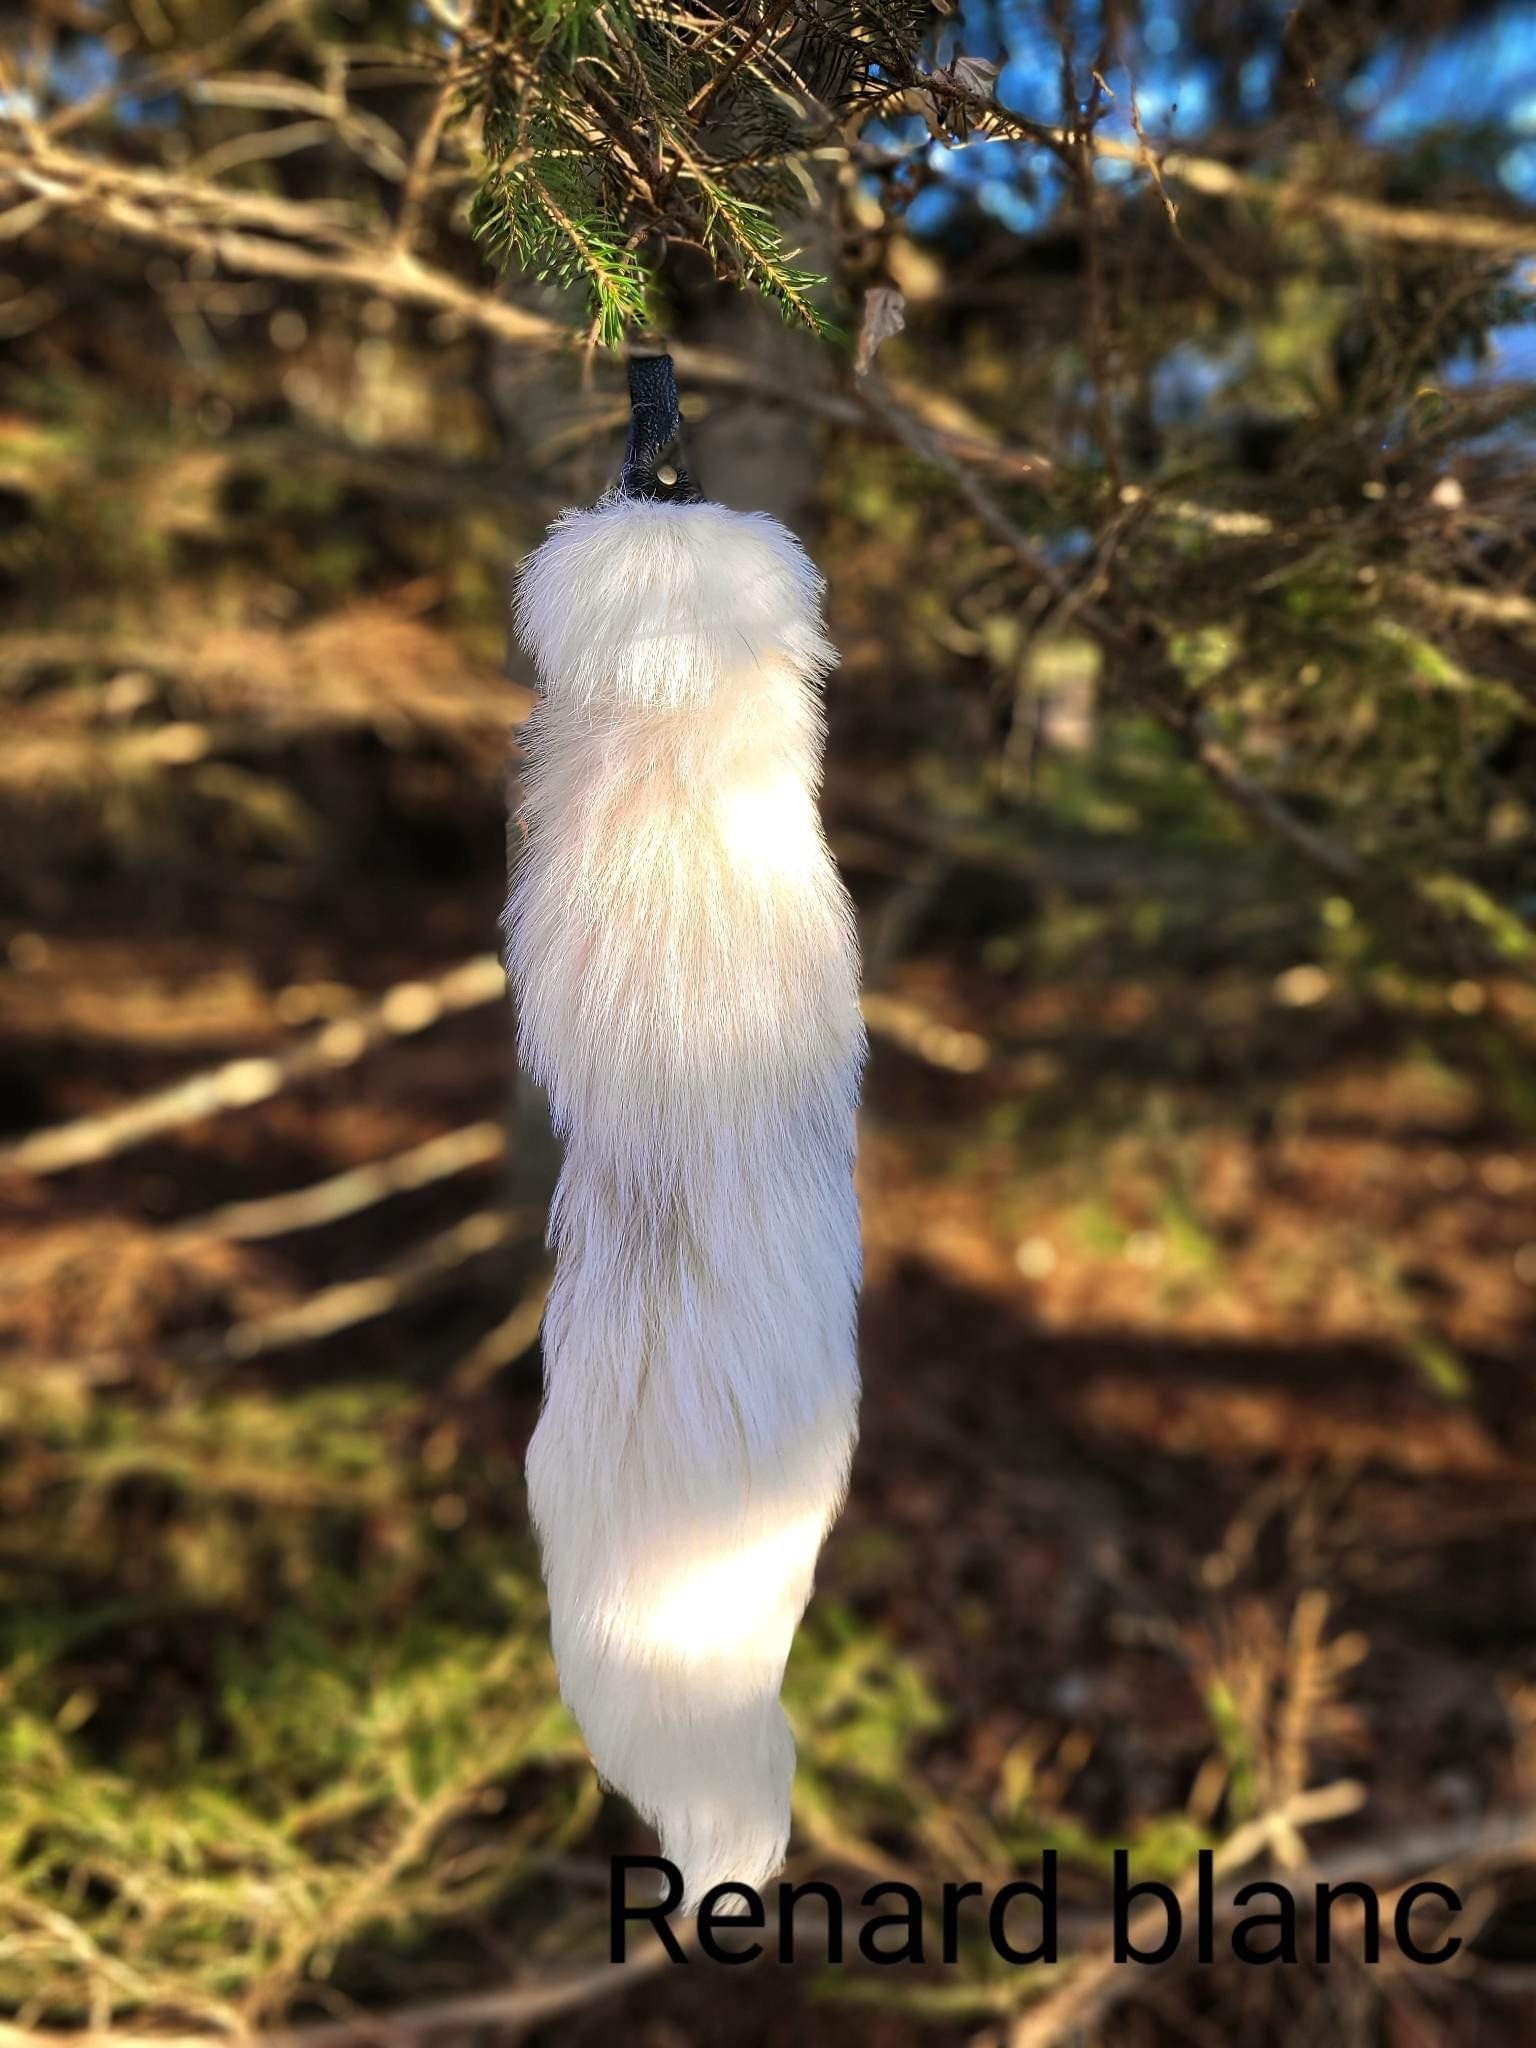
{"x": 666, "y": 474}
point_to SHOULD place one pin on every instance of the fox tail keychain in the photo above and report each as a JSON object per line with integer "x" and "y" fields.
{"x": 686, "y": 972}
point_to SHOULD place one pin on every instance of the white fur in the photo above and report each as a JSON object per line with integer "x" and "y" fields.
{"x": 684, "y": 959}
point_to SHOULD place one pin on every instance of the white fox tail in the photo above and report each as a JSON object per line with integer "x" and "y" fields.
{"x": 687, "y": 975}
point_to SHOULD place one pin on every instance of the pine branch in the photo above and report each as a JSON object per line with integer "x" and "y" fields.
{"x": 611, "y": 128}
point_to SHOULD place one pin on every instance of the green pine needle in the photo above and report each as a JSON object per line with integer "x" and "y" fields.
{"x": 610, "y": 126}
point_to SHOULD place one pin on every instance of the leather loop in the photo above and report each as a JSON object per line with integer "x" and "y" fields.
{"x": 655, "y": 436}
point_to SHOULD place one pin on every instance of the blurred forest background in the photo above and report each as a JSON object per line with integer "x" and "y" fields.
{"x": 1183, "y": 764}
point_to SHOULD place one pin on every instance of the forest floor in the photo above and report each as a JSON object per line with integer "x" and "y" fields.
{"x": 1196, "y": 1475}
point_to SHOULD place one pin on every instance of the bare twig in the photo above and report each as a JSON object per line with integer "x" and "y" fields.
{"x": 349, "y": 1193}
{"x": 409, "y": 1007}
{"x": 423, "y": 159}
{"x": 422, "y": 1269}
{"x": 511, "y": 2007}
{"x": 1367, "y": 217}
{"x": 175, "y": 72}
{"x": 511, "y": 1339}
{"x": 1082, "y": 139}
{"x": 917, "y": 1031}
{"x": 707, "y": 94}
{"x": 1222, "y": 768}
{"x": 1505, "y": 608}
{"x": 925, "y": 444}
{"x": 984, "y": 108}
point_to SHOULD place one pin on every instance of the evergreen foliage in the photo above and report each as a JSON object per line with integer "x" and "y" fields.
{"x": 614, "y": 127}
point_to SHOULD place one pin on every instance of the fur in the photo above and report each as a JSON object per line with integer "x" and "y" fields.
{"x": 686, "y": 970}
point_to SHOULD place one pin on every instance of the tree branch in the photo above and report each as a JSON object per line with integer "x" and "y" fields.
{"x": 1143, "y": 665}
{"x": 410, "y": 1007}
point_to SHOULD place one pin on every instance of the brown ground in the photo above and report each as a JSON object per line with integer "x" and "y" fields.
{"x": 1196, "y": 1340}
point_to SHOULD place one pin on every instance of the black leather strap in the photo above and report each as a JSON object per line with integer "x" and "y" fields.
{"x": 653, "y": 461}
